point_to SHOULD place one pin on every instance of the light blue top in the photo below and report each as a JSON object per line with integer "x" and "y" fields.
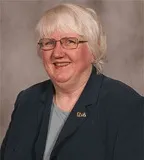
{"x": 57, "y": 120}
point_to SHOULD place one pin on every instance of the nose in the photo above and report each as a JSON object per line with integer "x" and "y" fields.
{"x": 58, "y": 51}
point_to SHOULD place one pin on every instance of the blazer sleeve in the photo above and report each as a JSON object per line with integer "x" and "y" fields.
{"x": 4, "y": 143}
{"x": 130, "y": 139}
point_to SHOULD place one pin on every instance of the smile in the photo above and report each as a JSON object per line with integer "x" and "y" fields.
{"x": 61, "y": 64}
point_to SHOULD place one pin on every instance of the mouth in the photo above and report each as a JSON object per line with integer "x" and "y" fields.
{"x": 61, "y": 64}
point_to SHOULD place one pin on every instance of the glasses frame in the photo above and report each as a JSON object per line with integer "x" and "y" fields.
{"x": 43, "y": 47}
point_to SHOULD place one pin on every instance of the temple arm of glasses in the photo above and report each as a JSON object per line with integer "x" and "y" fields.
{"x": 82, "y": 41}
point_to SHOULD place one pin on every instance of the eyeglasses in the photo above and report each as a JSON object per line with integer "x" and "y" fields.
{"x": 66, "y": 42}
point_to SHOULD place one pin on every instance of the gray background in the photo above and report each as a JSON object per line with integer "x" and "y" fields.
{"x": 20, "y": 67}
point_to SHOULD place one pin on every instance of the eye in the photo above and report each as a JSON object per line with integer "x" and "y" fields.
{"x": 49, "y": 42}
{"x": 70, "y": 41}
{"x": 40, "y": 44}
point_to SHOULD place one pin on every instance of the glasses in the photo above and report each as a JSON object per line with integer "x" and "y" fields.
{"x": 66, "y": 42}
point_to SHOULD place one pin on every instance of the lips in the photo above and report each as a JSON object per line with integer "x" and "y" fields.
{"x": 61, "y": 64}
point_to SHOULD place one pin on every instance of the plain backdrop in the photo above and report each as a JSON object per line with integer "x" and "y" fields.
{"x": 20, "y": 66}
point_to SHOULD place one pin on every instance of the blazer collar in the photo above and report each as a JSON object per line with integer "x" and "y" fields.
{"x": 91, "y": 91}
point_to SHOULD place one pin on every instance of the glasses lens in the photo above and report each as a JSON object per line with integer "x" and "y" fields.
{"x": 47, "y": 44}
{"x": 69, "y": 43}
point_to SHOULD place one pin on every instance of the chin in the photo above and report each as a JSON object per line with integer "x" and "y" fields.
{"x": 60, "y": 79}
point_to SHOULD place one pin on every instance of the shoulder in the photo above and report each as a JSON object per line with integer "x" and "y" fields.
{"x": 117, "y": 97}
{"x": 120, "y": 103}
{"x": 37, "y": 88}
{"x": 118, "y": 89}
{"x": 28, "y": 100}
{"x": 34, "y": 92}
{"x": 41, "y": 86}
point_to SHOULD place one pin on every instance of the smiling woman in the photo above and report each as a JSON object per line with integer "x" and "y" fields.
{"x": 67, "y": 67}
{"x": 83, "y": 21}
{"x": 79, "y": 114}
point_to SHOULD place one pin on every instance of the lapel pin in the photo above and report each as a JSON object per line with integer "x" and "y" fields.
{"x": 80, "y": 114}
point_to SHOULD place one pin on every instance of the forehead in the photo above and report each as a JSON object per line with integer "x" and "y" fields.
{"x": 59, "y": 34}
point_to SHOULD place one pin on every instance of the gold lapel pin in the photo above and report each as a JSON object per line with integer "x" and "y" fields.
{"x": 80, "y": 114}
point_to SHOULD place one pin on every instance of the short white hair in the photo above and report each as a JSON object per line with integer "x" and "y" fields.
{"x": 81, "y": 20}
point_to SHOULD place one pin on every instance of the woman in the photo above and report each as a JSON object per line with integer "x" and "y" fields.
{"x": 79, "y": 114}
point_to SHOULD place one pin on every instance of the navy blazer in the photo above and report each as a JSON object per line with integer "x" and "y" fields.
{"x": 106, "y": 123}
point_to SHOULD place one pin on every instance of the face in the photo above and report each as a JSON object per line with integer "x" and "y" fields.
{"x": 67, "y": 66}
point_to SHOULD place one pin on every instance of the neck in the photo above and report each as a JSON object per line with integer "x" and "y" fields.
{"x": 71, "y": 92}
{"x": 75, "y": 86}
{"x": 66, "y": 95}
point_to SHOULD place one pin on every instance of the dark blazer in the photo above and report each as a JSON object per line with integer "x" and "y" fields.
{"x": 106, "y": 123}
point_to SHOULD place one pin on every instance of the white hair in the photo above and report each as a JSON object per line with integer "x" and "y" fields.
{"x": 83, "y": 21}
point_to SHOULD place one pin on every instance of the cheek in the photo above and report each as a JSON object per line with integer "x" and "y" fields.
{"x": 45, "y": 57}
{"x": 85, "y": 55}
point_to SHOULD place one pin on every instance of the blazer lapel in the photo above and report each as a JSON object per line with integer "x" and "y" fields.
{"x": 46, "y": 101}
{"x": 80, "y": 111}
